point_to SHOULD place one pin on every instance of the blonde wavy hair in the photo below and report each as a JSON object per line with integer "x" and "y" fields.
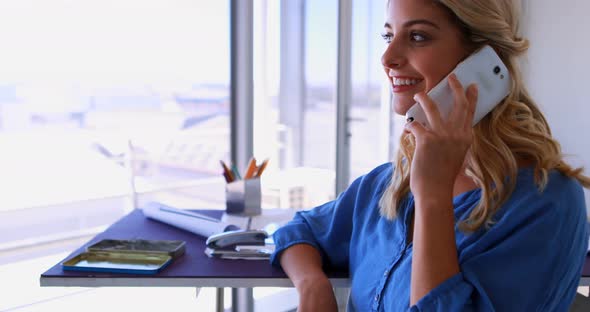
{"x": 514, "y": 130}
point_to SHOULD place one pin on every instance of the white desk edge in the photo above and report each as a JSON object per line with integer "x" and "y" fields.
{"x": 190, "y": 282}
{"x": 177, "y": 282}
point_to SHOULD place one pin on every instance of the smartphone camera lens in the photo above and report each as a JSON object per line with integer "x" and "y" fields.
{"x": 497, "y": 70}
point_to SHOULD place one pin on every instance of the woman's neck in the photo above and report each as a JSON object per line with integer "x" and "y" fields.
{"x": 463, "y": 183}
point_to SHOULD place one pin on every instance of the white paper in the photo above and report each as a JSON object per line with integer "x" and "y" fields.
{"x": 267, "y": 248}
{"x": 233, "y": 254}
{"x": 187, "y": 220}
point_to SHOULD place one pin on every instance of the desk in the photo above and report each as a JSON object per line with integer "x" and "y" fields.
{"x": 585, "y": 281}
{"x": 193, "y": 269}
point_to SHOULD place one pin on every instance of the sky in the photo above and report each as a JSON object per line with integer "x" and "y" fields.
{"x": 115, "y": 40}
{"x": 367, "y": 44}
{"x": 119, "y": 41}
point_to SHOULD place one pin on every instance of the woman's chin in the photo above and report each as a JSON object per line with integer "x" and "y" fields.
{"x": 401, "y": 109}
{"x": 402, "y": 103}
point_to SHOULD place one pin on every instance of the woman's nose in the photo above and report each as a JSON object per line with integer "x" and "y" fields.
{"x": 393, "y": 57}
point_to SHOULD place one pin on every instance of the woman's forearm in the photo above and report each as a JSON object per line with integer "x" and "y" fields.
{"x": 434, "y": 257}
{"x": 303, "y": 264}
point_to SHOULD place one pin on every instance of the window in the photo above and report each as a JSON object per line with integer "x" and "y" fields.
{"x": 105, "y": 105}
{"x": 295, "y": 97}
{"x": 295, "y": 70}
{"x": 103, "y": 100}
{"x": 372, "y": 121}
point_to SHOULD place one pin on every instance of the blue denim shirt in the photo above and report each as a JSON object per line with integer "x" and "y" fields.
{"x": 530, "y": 259}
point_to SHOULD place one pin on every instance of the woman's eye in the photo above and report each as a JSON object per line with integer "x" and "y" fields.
{"x": 414, "y": 37}
{"x": 417, "y": 37}
{"x": 387, "y": 37}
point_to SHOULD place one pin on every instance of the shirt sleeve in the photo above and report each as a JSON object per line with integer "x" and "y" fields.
{"x": 530, "y": 260}
{"x": 328, "y": 228}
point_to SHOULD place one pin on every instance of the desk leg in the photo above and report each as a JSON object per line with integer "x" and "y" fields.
{"x": 219, "y": 300}
{"x": 341, "y": 295}
{"x": 242, "y": 300}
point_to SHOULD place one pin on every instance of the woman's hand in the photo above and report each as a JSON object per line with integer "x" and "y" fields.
{"x": 438, "y": 159}
{"x": 316, "y": 295}
{"x": 441, "y": 149}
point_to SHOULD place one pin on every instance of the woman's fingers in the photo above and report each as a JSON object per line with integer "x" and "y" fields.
{"x": 415, "y": 128}
{"x": 465, "y": 103}
{"x": 459, "y": 110}
{"x": 430, "y": 109}
{"x": 462, "y": 113}
{"x": 471, "y": 95}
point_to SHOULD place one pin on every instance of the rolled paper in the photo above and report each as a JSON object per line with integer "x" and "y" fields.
{"x": 193, "y": 222}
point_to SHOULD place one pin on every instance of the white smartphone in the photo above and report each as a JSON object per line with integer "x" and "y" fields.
{"x": 485, "y": 68}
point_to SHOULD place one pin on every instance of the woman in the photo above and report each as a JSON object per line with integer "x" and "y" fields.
{"x": 485, "y": 218}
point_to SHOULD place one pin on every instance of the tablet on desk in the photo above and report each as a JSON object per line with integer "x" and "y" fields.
{"x": 136, "y": 256}
{"x": 173, "y": 248}
{"x": 115, "y": 262}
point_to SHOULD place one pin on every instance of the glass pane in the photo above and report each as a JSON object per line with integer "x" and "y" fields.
{"x": 370, "y": 111}
{"x": 95, "y": 92}
{"x": 295, "y": 110}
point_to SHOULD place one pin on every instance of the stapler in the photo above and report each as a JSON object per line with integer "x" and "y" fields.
{"x": 231, "y": 239}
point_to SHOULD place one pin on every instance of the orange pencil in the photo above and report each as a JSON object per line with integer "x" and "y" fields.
{"x": 261, "y": 168}
{"x": 251, "y": 168}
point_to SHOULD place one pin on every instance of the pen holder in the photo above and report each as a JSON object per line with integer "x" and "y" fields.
{"x": 242, "y": 197}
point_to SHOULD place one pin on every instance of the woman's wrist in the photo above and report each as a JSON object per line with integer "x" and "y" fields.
{"x": 317, "y": 295}
{"x": 312, "y": 281}
{"x": 433, "y": 200}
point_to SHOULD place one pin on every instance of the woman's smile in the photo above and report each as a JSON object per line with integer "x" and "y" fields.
{"x": 401, "y": 84}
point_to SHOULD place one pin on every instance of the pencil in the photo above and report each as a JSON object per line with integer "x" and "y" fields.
{"x": 236, "y": 172}
{"x": 229, "y": 177}
{"x": 251, "y": 168}
{"x": 261, "y": 168}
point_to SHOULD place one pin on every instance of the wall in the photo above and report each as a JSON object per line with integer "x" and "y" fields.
{"x": 557, "y": 70}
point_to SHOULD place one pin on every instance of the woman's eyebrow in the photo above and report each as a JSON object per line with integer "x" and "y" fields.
{"x": 414, "y": 22}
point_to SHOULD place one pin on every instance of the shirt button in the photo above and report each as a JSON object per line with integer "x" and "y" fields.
{"x": 386, "y": 272}
{"x": 377, "y": 297}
